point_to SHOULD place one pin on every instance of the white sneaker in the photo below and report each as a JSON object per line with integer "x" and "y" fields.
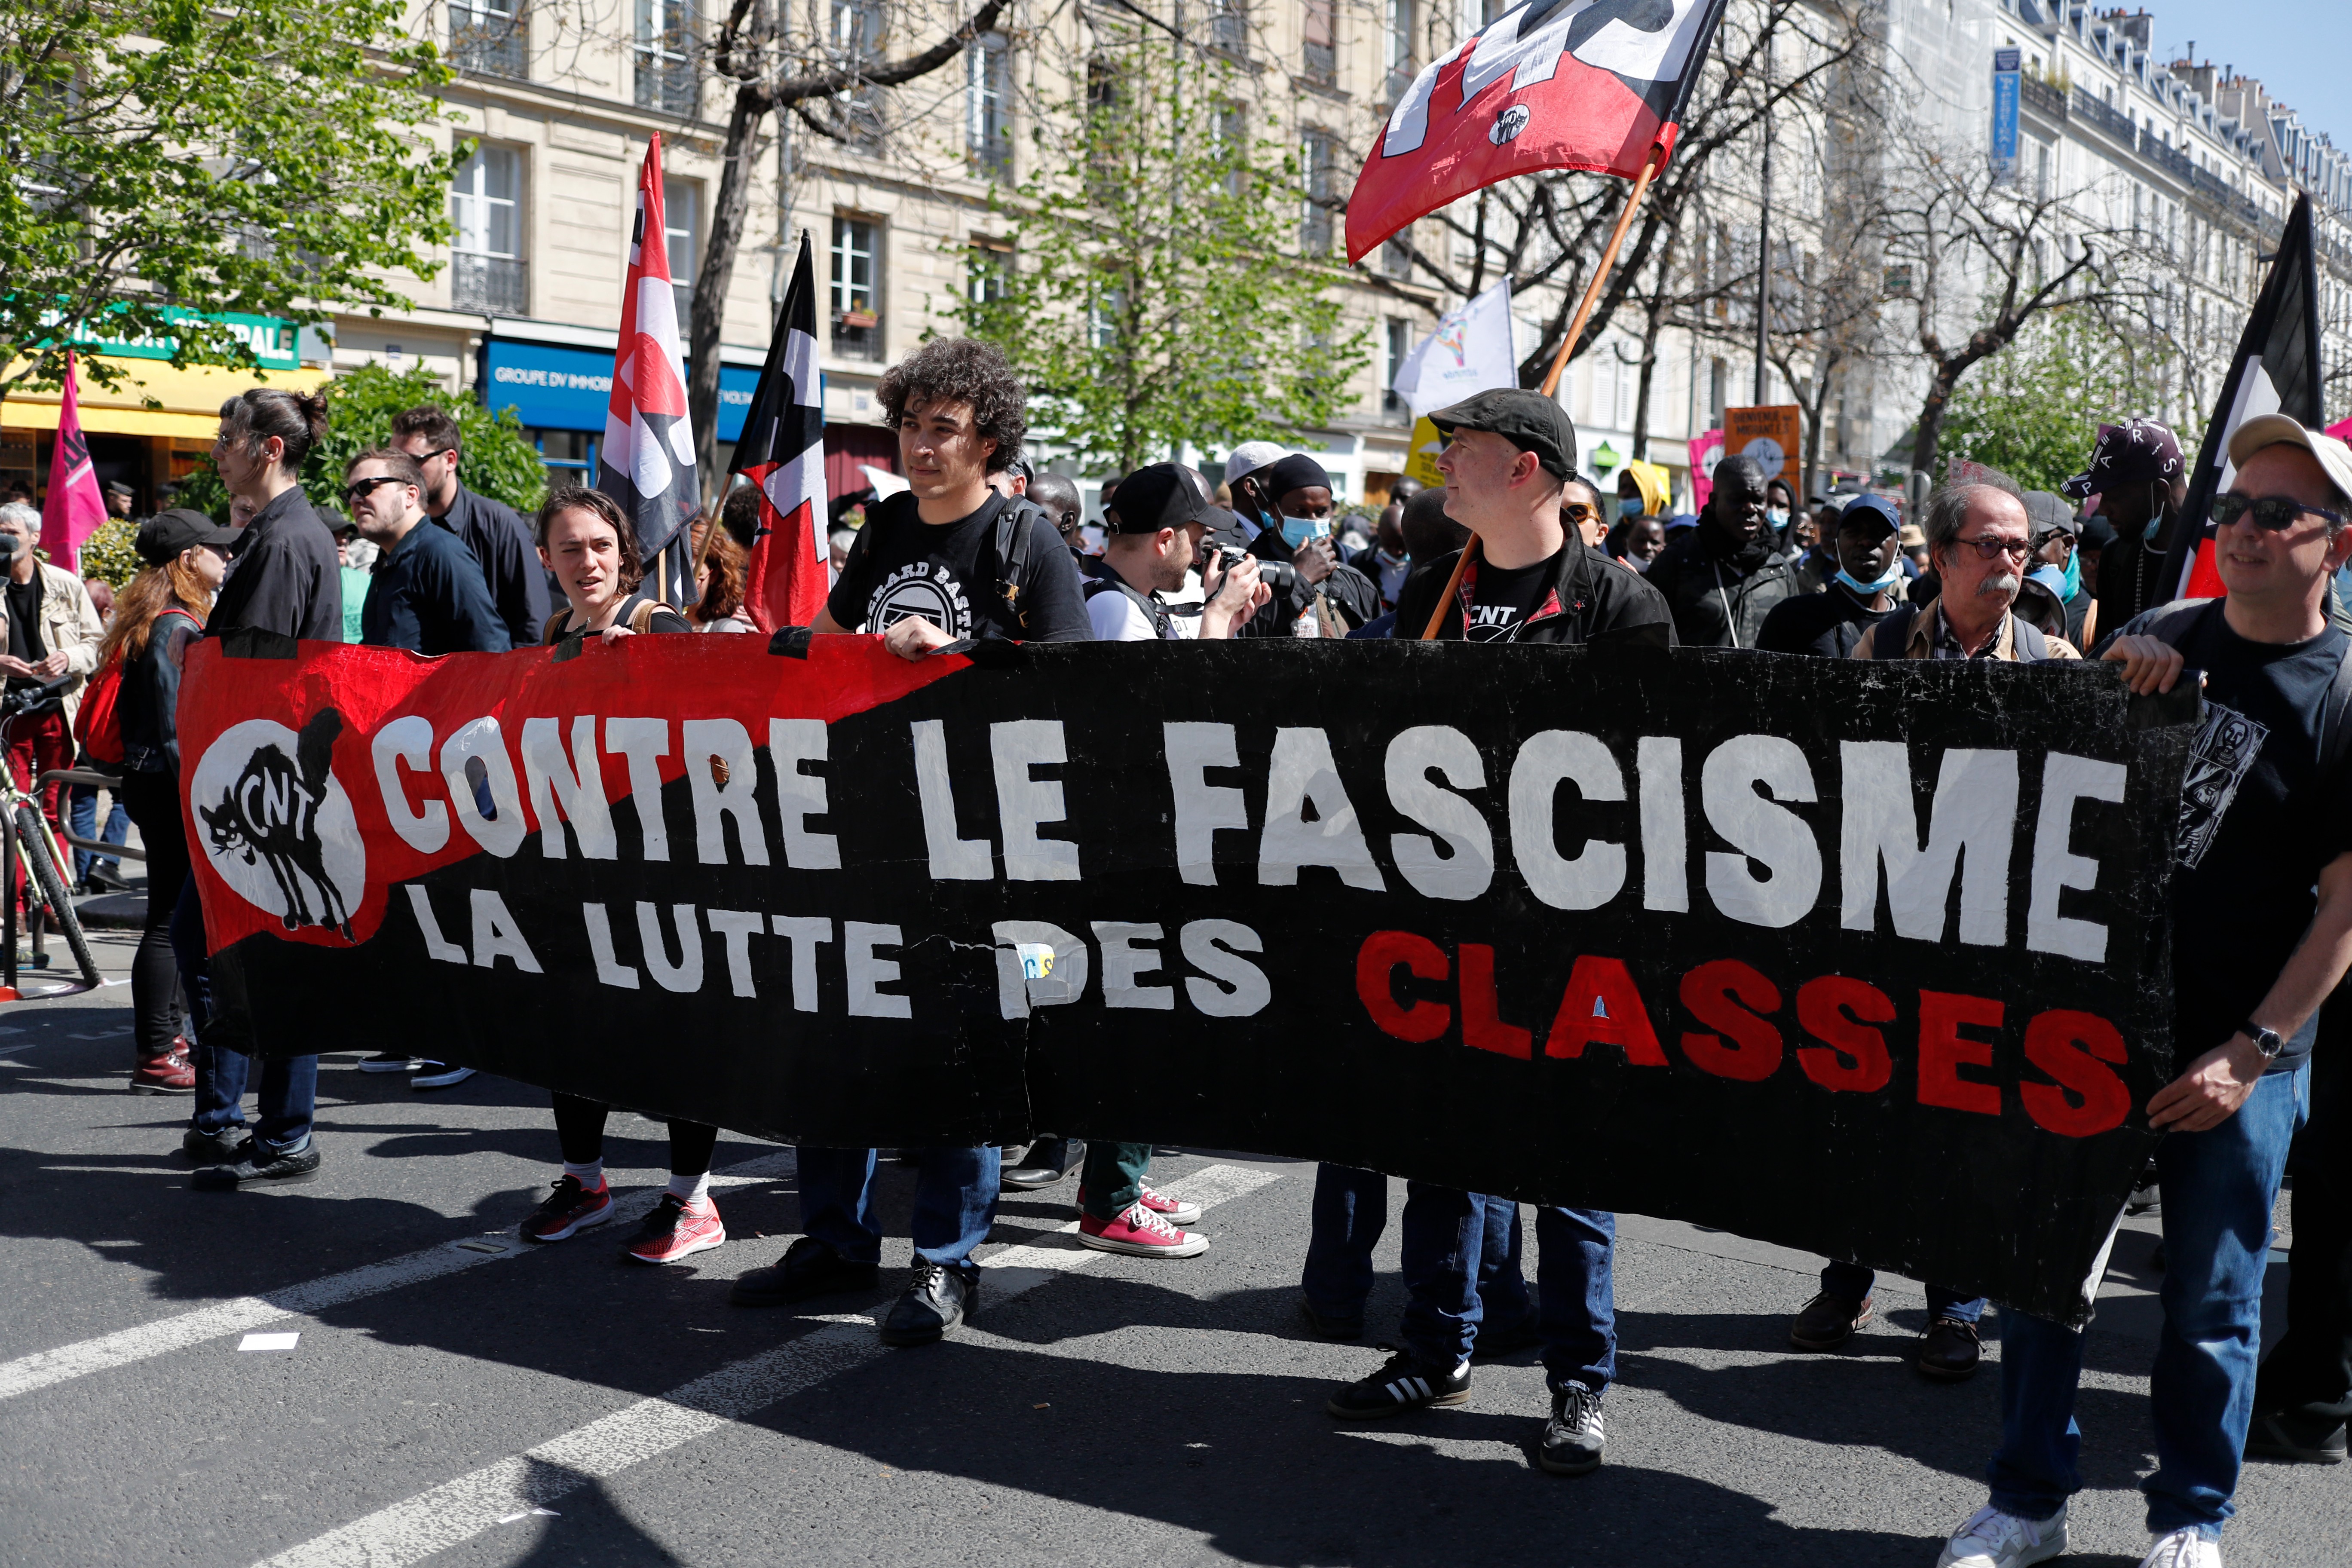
{"x": 1991, "y": 1539}
{"x": 389, "y": 1061}
{"x": 439, "y": 1075}
{"x": 2183, "y": 1549}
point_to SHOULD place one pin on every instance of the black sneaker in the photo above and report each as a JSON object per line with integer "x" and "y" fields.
{"x": 1572, "y": 1437}
{"x": 939, "y": 1299}
{"x": 1827, "y": 1322}
{"x": 257, "y": 1168}
{"x": 1331, "y": 1325}
{"x": 218, "y": 1148}
{"x": 1406, "y": 1383}
{"x": 2148, "y": 1199}
{"x": 809, "y": 1268}
{"x": 2282, "y": 1436}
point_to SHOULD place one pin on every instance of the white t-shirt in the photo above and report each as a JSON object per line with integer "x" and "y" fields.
{"x": 1116, "y": 618}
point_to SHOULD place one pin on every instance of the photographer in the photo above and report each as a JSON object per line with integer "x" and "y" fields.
{"x": 1288, "y": 502}
{"x": 53, "y": 630}
{"x": 1155, "y": 537}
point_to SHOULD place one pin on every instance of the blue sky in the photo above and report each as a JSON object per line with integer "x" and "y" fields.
{"x": 2300, "y": 49}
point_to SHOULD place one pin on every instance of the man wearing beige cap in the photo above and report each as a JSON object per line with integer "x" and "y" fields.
{"x": 2261, "y": 932}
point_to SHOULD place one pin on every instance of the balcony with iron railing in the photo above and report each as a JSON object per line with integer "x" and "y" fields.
{"x": 2091, "y": 112}
{"x": 2043, "y": 96}
{"x": 493, "y": 285}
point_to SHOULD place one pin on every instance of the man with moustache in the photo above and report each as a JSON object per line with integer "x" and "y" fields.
{"x": 1978, "y": 542}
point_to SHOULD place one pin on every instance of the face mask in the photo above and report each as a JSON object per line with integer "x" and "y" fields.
{"x": 1298, "y": 530}
{"x": 2074, "y": 574}
{"x": 1894, "y": 575}
{"x": 1630, "y": 506}
{"x": 1777, "y": 518}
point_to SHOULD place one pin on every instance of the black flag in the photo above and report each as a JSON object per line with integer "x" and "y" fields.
{"x": 2276, "y": 372}
{"x": 782, "y": 451}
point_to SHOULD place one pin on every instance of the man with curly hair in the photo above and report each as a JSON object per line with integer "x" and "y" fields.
{"x": 946, "y": 559}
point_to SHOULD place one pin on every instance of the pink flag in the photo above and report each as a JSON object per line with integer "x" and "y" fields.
{"x": 73, "y": 509}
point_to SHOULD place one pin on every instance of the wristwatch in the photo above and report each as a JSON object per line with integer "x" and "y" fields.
{"x": 2270, "y": 1042}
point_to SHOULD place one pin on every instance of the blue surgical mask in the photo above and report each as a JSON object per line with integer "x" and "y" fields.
{"x": 2074, "y": 574}
{"x": 1894, "y": 575}
{"x": 1298, "y": 530}
{"x": 1777, "y": 517}
{"x": 1630, "y": 506}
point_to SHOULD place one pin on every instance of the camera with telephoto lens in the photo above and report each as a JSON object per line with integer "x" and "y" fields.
{"x": 1279, "y": 575}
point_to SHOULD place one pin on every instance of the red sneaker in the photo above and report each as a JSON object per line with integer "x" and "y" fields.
{"x": 1139, "y": 1233}
{"x": 569, "y": 1208}
{"x": 675, "y": 1230}
{"x": 170, "y": 1073}
{"x": 1175, "y": 1211}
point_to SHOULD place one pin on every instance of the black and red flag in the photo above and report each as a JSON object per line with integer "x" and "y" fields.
{"x": 1553, "y": 84}
{"x": 782, "y": 450}
{"x": 648, "y": 460}
{"x": 2276, "y": 372}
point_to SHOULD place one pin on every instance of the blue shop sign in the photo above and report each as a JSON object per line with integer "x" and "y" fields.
{"x": 554, "y": 388}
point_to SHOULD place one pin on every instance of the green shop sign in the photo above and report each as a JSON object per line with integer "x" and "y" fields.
{"x": 274, "y": 342}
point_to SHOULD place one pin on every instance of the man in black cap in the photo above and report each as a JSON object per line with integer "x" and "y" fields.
{"x": 1867, "y": 584}
{"x": 1508, "y": 455}
{"x": 2137, "y": 474}
{"x": 1297, "y": 531}
{"x": 1155, "y": 528}
{"x": 2055, "y": 535}
{"x": 1723, "y": 577}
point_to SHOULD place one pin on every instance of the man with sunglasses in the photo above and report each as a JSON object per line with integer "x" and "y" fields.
{"x": 1980, "y": 542}
{"x": 2261, "y": 932}
{"x": 501, "y": 542}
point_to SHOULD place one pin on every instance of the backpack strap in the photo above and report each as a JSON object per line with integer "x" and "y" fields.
{"x": 1155, "y": 614}
{"x": 1894, "y": 634}
{"x": 641, "y": 614}
{"x": 2033, "y": 647}
{"x": 554, "y": 621}
{"x": 2336, "y": 718}
{"x": 1013, "y": 520}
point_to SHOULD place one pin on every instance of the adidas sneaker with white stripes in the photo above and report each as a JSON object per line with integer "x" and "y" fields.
{"x": 1406, "y": 1383}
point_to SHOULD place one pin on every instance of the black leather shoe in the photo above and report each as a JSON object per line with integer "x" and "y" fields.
{"x": 940, "y": 1298}
{"x": 256, "y": 1167}
{"x": 2282, "y": 1436}
{"x": 216, "y": 1148}
{"x": 103, "y": 878}
{"x": 1827, "y": 1322}
{"x": 1048, "y": 1160}
{"x": 1329, "y": 1327}
{"x": 809, "y": 1268}
{"x": 1949, "y": 1351}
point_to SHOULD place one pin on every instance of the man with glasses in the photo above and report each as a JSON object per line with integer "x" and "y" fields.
{"x": 2261, "y": 934}
{"x": 425, "y": 595}
{"x": 1979, "y": 544}
{"x": 501, "y": 542}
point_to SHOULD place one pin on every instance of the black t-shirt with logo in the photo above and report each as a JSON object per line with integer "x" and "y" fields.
{"x": 1501, "y": 601}
{"x": 25, "y": 627}
{"x": 2259, "y": 819}
{"x": 949, "y": 575}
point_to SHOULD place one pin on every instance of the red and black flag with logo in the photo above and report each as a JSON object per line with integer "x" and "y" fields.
{"x": 782, "y": 450}
{"x": 648, "y": 462}
{"x": 2276, "y": 372}
{"x": 1554, "y": 84}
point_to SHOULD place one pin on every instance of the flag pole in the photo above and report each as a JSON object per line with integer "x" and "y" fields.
{"x": 1559, "y": 360}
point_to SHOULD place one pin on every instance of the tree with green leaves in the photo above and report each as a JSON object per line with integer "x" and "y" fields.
{"x": 1165, "y": 280}
{"x": 499, "y": 460}
{"x": 182, "y": 159}
{"x": 2034, "y": 410}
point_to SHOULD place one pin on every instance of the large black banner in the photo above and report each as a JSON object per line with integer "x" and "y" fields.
{"x": 1865, "y": 958}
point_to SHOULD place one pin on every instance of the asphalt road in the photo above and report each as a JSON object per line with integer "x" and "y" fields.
{"x": 489, "y": 1405}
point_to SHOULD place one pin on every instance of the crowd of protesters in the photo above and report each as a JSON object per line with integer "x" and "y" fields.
{"x": 1516, "y": 547}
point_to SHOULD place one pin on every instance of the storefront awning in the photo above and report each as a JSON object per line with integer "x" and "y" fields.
{"x": 189, "y": 399}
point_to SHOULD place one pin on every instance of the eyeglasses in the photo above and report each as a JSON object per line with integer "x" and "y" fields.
{"x": 2274, "y": 514}
{"x": 358, "y": 487}
{"x": 429, "y": 457}
{"x": 1986, "y": 548}
{"x": 1577, "y": 511}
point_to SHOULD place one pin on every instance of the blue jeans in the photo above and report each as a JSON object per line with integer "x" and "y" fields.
{"x": 2219, "y": 1187}
{"x": 290, "y": 1085}
{"x": 1445, "y": 1237}
{"x": 1350, "y": 1213}
{"x": 1853, "y": 1282}
{"x": 955, "y": 1202}
{"x": 81, "y": 815}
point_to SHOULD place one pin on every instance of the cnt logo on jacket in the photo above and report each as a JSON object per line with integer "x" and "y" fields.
{"x": 276, "y": 825}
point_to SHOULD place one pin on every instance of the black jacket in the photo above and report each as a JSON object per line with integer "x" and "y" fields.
{"x": 147, "y": 702}
{"x": 508, "y": 557}
{"x": 1827, "y": 623}
{"x": 1591, "y": 600}
{"x": 1715, "y": 603}
{"x": 428, "y": 596}
{"x": 1347, "y": 590}
{"x": 284, "y": 577}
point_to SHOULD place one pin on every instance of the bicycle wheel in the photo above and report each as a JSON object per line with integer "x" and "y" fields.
{"x": 34, "y": 840}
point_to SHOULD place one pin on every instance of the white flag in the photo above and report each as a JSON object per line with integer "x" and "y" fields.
{"x": 1470, "y": 351}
